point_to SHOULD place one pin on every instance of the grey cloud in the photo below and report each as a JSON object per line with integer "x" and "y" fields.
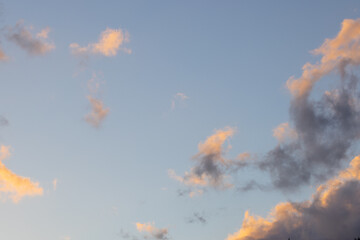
{"x": 23, "y": 38}
{"x": 3, "y": 121}
{"x": 197, "y": 218}
{"x": 326, "y": 130}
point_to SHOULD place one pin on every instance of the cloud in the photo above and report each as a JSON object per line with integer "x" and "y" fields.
{"x": 54, "y": 183}
{"x": 197, "y": 218}
{"x": 110, "y": 42}
{"x": 98, "y": 110}
{"x": 336, "y": 53}
{"x": 22, "y": 37}
{"x": 178, "y": 98}
{"x": 3, "y": 56}
{"x": 13, "y": 186}
{"x": 211, "y": 167}
{"x": 126, "y": 235}
{"x": 326, "y": 128}
{"x": 284, "y": 132}
{"x": 332, "y": 213}
{"x": 152, "y": 231}
{"x": 3, "y": 121}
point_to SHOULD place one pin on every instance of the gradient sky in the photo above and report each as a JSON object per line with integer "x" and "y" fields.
{"x": 182, "y": 70}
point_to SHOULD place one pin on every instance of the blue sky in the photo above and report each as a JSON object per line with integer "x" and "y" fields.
{"x": 231, "y": 59}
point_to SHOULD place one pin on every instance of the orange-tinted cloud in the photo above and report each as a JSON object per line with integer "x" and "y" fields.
{"x": 110, "y": 42}
{"x": 13, "y": 186}
{"x": 212, "y": 169}
{"x": 22, "y": 37}
{"x": 98, "y": 111}
{"x": 332, "y": 213}
{"x": 336, "y": 53}
{"x": 178, "y": 98}
{"x": 284, "y": 132}
{"x": 3, "y": 56}
{"x": 152, "y": 231}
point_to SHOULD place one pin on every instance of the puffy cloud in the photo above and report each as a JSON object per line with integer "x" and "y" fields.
{"x": 212, "y": 168}
{"x": 21, "y": 36}
{"x": 98, "y": 110}
{"x": 325, "y": 128}
{"x": 178, "y": 98}
{"x": 152, "y": 231}
{"x": 110, "y": 42}
{"x": 13, "y": 186}
{"x": 332, "y": 213}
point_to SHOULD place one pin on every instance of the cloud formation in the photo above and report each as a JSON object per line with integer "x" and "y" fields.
{"x": 152, "y": 231}
{"x": 13, "y": 186}
{"x": 98, "y": 110}
{"x": 333, "y": 213}
{"x": 324, "y": 129}
{"x": 33, "y": 45}
{"x": 211, "y": 167}
{"x": 110, "y": 42}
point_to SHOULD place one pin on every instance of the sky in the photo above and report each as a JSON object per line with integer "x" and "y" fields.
{"x": 233, "y": 120}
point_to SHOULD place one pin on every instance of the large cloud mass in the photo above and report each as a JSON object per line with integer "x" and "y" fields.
{"x": 324, "y": 129}
{"x": 333, "y": 213}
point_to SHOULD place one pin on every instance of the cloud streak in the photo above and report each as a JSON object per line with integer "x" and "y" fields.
{"x": 13, "y": 186}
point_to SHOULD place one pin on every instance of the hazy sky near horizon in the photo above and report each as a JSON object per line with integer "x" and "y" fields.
{"x": 156, "y": 119}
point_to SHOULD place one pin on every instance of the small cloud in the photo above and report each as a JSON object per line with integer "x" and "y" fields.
{"x": 3, "y": 121}
{"x": 212, "y": 169}
{"x": 110, "y": 42}
{"x": 3, "y": 56}
{"x": 98, "y": 110}
{"x": 54, "y": 183}
{"x": 178, "y": 98}
{"x": 22, "y": 37}
{"x": 197, "y": 218}
{"x": 13, "y": 186}
{"x": 152, "y": 231}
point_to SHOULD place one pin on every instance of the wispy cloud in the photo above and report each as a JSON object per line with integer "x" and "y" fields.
{"x": 55, "y": 183}
{"x": 178, "y": 98}
{"x": 3, "y": 121}
{"x": 3, "y": 56}
{"x": 98, "y": 110}
{"x": 336, "y": 200}
{"x": 110, "y": 42}
{"x": 33, "y": 45}
{"x": 197, "y": 218}
{"x": 13, "y": 186}
{"x": 152, "y": 231}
